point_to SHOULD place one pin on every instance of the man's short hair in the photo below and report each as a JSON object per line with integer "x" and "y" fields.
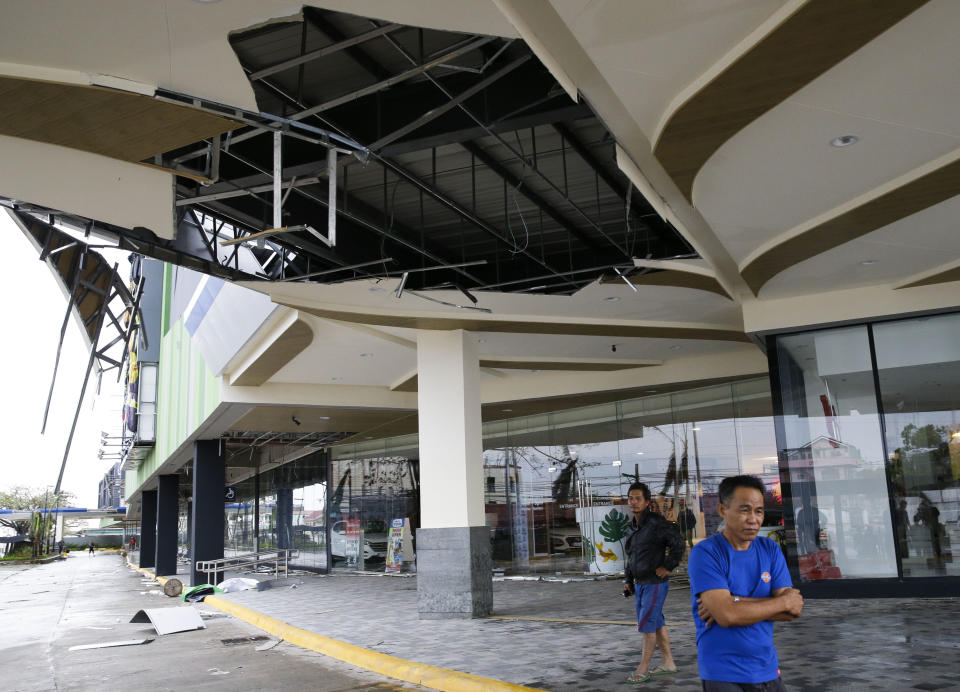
{"x": 729, "y": 485}
{"x": 642, "y": 487}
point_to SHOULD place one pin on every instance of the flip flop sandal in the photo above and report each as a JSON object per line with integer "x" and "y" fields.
{"x": 660, "y": 670}
{"x": 635, "y": 679}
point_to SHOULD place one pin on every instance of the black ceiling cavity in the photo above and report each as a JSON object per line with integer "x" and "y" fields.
{"x": 473, "y": 155}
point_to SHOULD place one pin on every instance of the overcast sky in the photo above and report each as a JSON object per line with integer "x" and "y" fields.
{"x": 33, "y": 309}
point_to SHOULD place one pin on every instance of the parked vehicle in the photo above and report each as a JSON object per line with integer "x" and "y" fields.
{"x": 372, "y": 550}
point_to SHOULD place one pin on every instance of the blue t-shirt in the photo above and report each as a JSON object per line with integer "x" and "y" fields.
{"x": 736, "y": 654}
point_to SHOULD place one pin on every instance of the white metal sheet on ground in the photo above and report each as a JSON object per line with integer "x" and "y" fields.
{"x": 104, "y": 645}
{"x": 170, "y": 620}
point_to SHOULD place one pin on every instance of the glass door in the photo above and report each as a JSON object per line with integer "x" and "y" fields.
{"x": 918, "y": 364}
{"x": 832, "y": 458}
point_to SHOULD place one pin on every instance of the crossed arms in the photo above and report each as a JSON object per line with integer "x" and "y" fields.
{"x": 717, "y": 605}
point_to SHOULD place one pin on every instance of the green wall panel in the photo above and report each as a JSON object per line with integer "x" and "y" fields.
{"x": 187, "y": 393}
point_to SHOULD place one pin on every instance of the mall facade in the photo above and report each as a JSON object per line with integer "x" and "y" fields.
{"x": 469, "y": 269}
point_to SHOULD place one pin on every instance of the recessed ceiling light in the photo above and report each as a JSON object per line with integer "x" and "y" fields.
{"x": 651, "y": 391}
{"x": 336, "y": 379}
{"x": 366, "y": 355}
{"x": 867, "y": 263}
{"x": 844, "y": 140}
{"x": 675, "y": 348}
{"x": 639, "y": 452}
{"x": 612, "y": 299}
{"x": 481, "y": 341}
{"x": 323, "y": 417}
{"x": 616, "y": 462}
{"x": 377, "y": 289}
{"x": 695, "y": 429}
{"x": 506, "y": 410}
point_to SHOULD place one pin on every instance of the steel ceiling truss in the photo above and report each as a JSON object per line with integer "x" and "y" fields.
{"x": 277, "y": 190}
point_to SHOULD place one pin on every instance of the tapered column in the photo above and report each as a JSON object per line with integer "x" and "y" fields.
{"x": 206, "y": 528}
{"x": 454, "y": 575}
{"x": 168, "y": 505}
{"x": 148, "y": 528}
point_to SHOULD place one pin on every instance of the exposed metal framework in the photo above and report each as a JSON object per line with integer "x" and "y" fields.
{"x": 464, "y": 148}
{"x": 391, "y": 150}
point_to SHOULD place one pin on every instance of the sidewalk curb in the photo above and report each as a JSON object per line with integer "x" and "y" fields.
{"x": 432, "y": 677}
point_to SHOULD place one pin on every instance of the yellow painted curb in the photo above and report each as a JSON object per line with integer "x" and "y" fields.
{"x": 433, "y": 677}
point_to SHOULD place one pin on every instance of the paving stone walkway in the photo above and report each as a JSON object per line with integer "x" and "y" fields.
{"x": 885, "y": 644}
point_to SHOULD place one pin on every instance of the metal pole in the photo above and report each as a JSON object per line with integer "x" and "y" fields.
{"x": 277, "y": 183}
{"x": 83, "y": 385}
{"x": 332, "y": 197}
{"x": 46, "y": 517}
{"x": 256, "y": 505}
{"x": 77, "y": 269}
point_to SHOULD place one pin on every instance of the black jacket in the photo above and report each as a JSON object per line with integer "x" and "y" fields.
{"x": 651, "y": 542}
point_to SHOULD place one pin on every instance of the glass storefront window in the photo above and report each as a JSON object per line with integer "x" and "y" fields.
{"x": 918, "y": 367}
{"x": 832, "y": 452}
{"x": 556, "y": 483}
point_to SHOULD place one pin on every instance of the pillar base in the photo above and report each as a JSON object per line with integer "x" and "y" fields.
{"x": 454, "y": 573}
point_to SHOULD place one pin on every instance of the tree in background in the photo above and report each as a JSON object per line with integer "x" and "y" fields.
{"x": 21, "y": 497}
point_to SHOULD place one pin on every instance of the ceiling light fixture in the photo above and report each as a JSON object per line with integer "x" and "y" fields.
{"x": 844, "y": 141}
{"x": 868, "y": 262}
{"x": 695, "y": 429}
{"x": 506, "y": 410}
{"x": 366, "y": 355}
{"x": 612, "y": 299}
{"x": 616, "y": 462}
{"x": 552, "y": 469}
{"x": 638, "y": 452}
{"x": 336, "y": 379}
{"x": 675, "y": 348}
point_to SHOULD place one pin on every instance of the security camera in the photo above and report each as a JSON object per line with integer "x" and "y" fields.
{"x": 295, "y": 420}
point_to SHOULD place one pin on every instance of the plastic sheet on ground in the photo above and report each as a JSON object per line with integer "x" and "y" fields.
{"x": 199, "y": 592}
{"x": 237, "y": 584}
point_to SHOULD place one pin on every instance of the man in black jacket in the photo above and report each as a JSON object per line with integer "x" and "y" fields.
{"x": 654, "y": 548}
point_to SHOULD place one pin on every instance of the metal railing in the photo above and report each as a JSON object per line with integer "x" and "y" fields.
{"x": 279, "y": 559}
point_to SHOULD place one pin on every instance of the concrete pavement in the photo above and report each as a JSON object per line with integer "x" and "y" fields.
{"x": 577, "y": 636}
{"x": 46, "y": 609}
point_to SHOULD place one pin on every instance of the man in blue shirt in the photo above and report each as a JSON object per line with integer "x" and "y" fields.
{"x": 739, "y": 585}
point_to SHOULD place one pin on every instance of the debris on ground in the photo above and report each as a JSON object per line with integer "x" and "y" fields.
{"x": 105, "y": 645}
{"x": 238, "y": 584}
{"x": 197, "y": 593}
{"x": 173, "y": 587}
{"x": 170, "y": 620}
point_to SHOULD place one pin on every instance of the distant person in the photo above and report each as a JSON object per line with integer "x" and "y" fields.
{"x": 687, "y": 521}
{"x": 810, "y": 522}
{"x": 133, "y": 542}
{"x": 928, "y": 515}
{"x": 740, "y": 585}
{"x": 902, "y": 522}
{"x": 92, "y": 546}
{"x": 653, "y": 549}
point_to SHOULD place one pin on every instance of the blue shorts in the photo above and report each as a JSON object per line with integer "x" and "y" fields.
{"x": 650, "y": 598}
